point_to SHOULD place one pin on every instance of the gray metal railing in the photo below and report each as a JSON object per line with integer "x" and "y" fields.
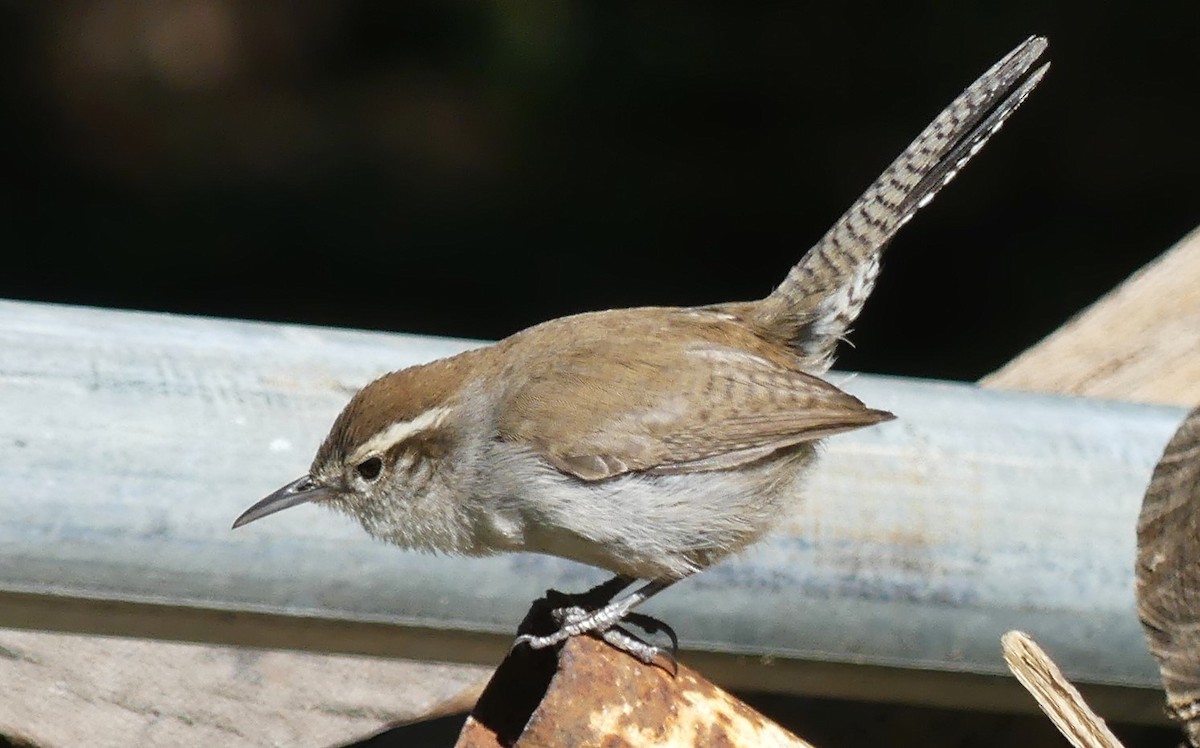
{"x": 130, "y": 441}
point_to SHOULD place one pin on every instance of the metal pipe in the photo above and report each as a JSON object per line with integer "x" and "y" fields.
{"x": 131, "y": 440}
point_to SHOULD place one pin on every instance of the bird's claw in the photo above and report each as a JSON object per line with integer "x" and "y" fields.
{"x": 575, "y": 620}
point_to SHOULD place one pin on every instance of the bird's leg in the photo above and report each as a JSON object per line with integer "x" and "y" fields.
{"x": 569, "y": 606}
{"x": 578, "y": 621}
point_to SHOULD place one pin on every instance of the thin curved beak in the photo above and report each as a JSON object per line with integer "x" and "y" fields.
{"x": 299, "y": 491}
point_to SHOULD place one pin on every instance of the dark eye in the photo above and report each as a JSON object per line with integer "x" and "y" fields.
{"x": 370, "y": 469}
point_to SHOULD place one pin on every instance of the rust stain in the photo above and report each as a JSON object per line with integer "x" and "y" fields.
{"x": 597, "y": 696}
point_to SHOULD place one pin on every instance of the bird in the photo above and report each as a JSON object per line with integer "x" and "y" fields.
{"x": 1167, "y": 581}
{"x": 651, "y": 442}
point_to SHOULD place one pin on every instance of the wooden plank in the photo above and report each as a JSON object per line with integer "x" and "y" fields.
{"x": 1140, "y": 343}
{"x": 64, "y": 690}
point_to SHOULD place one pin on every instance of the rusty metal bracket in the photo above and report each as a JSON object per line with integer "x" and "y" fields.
{"x": 589, "y": 694}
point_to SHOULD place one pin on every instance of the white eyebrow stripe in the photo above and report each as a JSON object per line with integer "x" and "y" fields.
{"x": 398, "y": 432}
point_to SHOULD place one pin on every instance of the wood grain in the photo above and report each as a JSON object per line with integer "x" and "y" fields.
{"x": 1140, "y": 343}
{"x": 1054, "y": 693}
{"x": 64, "y": 690}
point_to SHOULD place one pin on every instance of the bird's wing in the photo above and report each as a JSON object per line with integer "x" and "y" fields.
{"x": 600, "y": 408}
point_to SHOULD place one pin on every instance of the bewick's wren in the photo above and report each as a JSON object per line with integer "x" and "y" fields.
{"x": 651, "y": 442}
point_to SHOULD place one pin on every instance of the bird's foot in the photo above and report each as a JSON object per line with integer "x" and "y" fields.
{"x": 618, "y": 638}
{"x": 602, "y": 623}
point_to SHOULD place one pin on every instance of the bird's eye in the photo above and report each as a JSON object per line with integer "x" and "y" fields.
{"x": 370, "y": 468}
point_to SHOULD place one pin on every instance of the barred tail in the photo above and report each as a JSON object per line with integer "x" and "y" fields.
{"x": 1168, "y": 578}
{"x": 825, "y": 291}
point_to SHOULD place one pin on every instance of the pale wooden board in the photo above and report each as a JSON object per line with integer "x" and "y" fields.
{"x": 1141, "y": 342}
{"x": 63, "y": 690}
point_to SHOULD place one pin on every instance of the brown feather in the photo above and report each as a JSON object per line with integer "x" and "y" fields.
{"x": 399, "y": 396}
{"x": 1168, "y": 576}
{"x": 703, "y": 392}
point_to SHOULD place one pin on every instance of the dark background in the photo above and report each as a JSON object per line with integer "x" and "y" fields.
{"x": 469, "y": 169}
